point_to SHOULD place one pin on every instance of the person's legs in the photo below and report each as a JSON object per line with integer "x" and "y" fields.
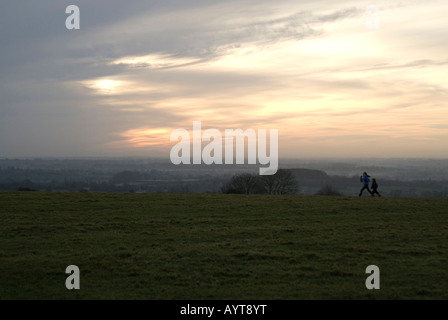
{"x": 363, "y": 188}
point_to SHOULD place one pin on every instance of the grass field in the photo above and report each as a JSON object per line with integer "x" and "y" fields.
{"x": 193, "y": 246}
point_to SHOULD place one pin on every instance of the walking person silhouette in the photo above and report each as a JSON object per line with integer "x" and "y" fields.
{"x": 375, "y": 188}
{"x": 365, "y": 179}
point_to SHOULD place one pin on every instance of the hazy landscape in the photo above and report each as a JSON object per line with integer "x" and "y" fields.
{"x": 146, "y": 229}
{"x": 396, "y": 177}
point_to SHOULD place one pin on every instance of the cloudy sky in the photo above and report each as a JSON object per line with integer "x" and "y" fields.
{"x": 336, "y": 79}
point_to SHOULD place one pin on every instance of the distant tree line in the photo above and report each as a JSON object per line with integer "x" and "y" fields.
{"x": 282, "y": 182}
{"x": 75, "y": 178}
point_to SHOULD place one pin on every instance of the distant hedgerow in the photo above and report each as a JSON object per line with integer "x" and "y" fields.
{"x": 328, "y": 191}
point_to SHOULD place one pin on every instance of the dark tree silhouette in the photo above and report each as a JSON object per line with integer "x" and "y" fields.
{"x": 328, "y": 191}
{"x": 282, "y": 182}
{"x": 244, "y": 183}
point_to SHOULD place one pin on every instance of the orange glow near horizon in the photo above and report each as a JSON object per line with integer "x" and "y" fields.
{"x": 343, "y": 85}
{"x": 145, "y": 137}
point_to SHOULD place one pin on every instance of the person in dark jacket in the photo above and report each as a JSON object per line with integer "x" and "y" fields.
{"x": 365, "y": 179}
{"x": 374, "y": 188}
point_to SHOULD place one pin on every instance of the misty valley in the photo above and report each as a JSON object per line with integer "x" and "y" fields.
{"x": 396, "y": 178}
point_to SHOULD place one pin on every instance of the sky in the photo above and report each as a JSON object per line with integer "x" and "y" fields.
{"x": 335, "y": 78}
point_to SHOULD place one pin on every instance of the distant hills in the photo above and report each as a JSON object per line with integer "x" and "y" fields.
{"x": 412, "y": 179}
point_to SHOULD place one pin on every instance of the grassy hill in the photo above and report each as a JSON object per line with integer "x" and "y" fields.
{"x": 206, "y": 246}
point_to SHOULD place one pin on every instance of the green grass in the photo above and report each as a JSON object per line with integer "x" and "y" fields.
{"x": 176, "y": 246}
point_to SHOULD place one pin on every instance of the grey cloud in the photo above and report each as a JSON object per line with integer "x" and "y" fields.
{"x": 412, "y": 64}
{"x": 38, "y": 45}
{"x": 439, "y": 126}
{"x": 208, "y": 42}
{"x": 204, "y": 40}
{"x": 341, "y": 14}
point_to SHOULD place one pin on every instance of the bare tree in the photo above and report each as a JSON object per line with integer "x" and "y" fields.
{"x": 244, "y": 183}
{"x": 328, "y": 191}
{"x": 282, "y": 182}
